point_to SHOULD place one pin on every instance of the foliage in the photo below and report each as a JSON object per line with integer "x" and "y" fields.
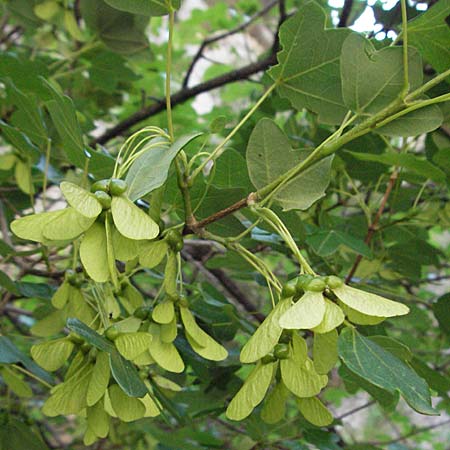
{"x": 223, "y": 279}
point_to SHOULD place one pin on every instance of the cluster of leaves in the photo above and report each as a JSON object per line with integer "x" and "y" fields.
{"x": 132, "y": 328}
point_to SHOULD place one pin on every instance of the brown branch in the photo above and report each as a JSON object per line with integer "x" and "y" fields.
{"x": 185, "y": 94}
{"x": 224, "y": 35}
{"x": 345, "y": 13}
{"x": 218, "y": 278}
{"x": 373, "y": 227}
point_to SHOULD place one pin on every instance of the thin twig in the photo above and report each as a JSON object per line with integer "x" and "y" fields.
{"x": 345, "y": 13}
{"x": 374, "y": 225}
{"x": 218, "y": 37}
{"x": 185, "y": 94}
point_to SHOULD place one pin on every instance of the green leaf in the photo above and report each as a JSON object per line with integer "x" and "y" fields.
{"x": 274, "y": 408}
{"x": 15, "y": 383}
{"x": 430, "y": 34}
{"x": 436, "y": 381}
{"x": 145, "y": 7}
{"x": 152, "y": 253}
{"x": 90, "y": 335}
{"x": 325, "y": 351}
{"x": 308, "y": 69}
{"x": 306, "y": 313}
{"x": 164, "y": 312}
{"x": 414, "y": 123}
{"x": 231, "y": 171}
{"x": 131, "y": 221}
{"x": 328, "y": 242}
{"x": 266, "y": 336}
{"x": 93, "y": 253}
{"x": 8, "y": 284}
{"x": 126, "y": 375}
{"x": 20, "y": 436}
{"x": 411, "y": 162}
{"x": 381, "y": 368}
{"x": 372, "y": 79}
{"x": 369, "y": 304}
{"x": 269, "y": 156}
{"x": 127, "y": 408}
{"x": 441, "y": 310}
{"x": 252, "y": 391}
{"x": 81, "y": 200}
{"x": 67, "y": 225}
{"x": 10, "y": 354}
{"x": 64, "y": 117}
{"x": 151, "y": 169}
{"x": 99, "y": 380}
{"x": 332, "y": 318}
{"x": 122, "y": 32}
{"x": 53, "y": 354}
{"x": 20, "y": 141}
{"x": 28, "y": 115}
{"x": 131, "y": 345}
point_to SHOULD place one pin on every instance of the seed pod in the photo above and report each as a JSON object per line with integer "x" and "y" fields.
{"x": 268, "y": 359}
{"x": 112, "y": 333}
{"x": 302, "y": 281}
{"x": 281, "y": 351}
{"x": 141, "y": 312}
{"x": 175, "y": 240}
{"x": 101, "y": 185}
{"x": 333, "y": 282}
{"x": 117, "y": 187}
{"x": 103, "y": 198}
{"x": 316, "y": 285}
{"x": 289, "y": 289}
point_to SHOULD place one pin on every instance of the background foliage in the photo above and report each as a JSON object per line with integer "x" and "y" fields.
{"x": 78, "y": 77}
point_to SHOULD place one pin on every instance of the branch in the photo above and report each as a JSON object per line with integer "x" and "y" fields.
{"x": 224, "y": 35}
{"x": 374, "y": 225}
{"x": 185, "y": 94}
{"x": 345, "y": 13}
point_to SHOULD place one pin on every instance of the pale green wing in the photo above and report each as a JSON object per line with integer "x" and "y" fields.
{"x": 93, "y": 253}
{"x": 131, "y": 221}
{"x": 80, "y": 199}
{"x": 31, "y": 227}
{"x": 165, "y": 354}
{"x": 369, "y": 304}
{"x": 332, "y": 318}
{"x": 99, "y": 381}
{"x": 315, "y": 411}
{"x": 252, "y": 391}
{"x": 67, "y": 226}
{"x": 124, "y": 249}
{"x": 325, "y": 351}
{"x": 152, "y": 253}
{"x": 360, "y": 318}
{"x": 53, "y": 354}
{"x": 266, "y": 336}
{"x": 274, "y": 408}
{"x": 131, "y": 345}
{"x": 210, "y": 350}
{"x": 306, "y": 313}
{"x": 164, "y": 312}
{"x": 126, "y": 408}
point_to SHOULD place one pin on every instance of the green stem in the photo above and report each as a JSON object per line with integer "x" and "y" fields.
{"x": 218, "y": 150}
{"x": 427, "y": 86}
{"x": 32, "y": 375}
{"x": 44, "y": 183}
{"x": 169, "y": 69}
{"x": 405, "y": 49}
